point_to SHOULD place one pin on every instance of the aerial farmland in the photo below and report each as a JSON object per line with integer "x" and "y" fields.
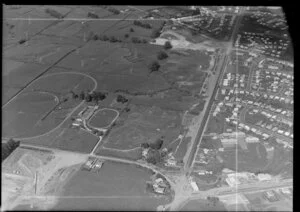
{"x": 110, "y": 107}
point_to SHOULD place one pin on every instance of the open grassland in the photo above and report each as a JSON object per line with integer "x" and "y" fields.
{"x": 144, "y": 124}
{"x": 116, "y": 187}
{"x": 252, "y": 160}
{"x": 202, "y": 205}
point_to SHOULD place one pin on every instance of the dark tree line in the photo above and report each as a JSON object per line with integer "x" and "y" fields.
{"x": 142, "y": 24}
{"x": 94, "y": 96}
{"x": 92, "y": 15}
{"x": 156, "y": 32}
{"x": 9, "y": 147}
{"x": 113, "y": 10}
{"x": 138, "y": 40}
{"x": 122, "y": 99}
{"x": 54, "y": 13}
{"x": 111, "y": 39}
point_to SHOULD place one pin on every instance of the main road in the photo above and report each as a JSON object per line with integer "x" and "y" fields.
{"x": 223, "y": 61}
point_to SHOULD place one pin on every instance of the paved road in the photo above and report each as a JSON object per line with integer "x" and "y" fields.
{"x": 212, "y": 97}
{"x": 146, "y": 165}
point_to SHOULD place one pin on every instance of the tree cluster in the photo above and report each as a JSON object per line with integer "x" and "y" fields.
{"x": 94, "y": 96}
{"x": 153, "y": 156}
{"x": 142, "y": 24}
{"x": 9, "y": 147}
{"x": 168, "y": 45}
{"x": 113, "y": 10}
{"x": 122, "y": 99}
{"x": 156, "y": 32}
{"x": 154, "y": 66}
{"x": 138, "y": 40}
{"x": 162, "y": 55}
{"x": 54, "y": 13}
{"x": 156, "y": 145}
{"x": 111, "y": 39}
{"x": 22, "y": 41}
{"x": 92, "y": 15}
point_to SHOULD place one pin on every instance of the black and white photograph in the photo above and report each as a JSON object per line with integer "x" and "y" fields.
{"x": 147, "y": 108}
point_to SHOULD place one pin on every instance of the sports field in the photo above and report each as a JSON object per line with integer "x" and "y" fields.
{"x": 103, "y": 118}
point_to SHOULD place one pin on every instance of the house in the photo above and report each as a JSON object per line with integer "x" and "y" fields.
{"x": 194, "y": 186}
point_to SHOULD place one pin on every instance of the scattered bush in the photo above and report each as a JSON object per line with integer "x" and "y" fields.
{"x": 154, "y": 66}
{"x": 162, "y": 55}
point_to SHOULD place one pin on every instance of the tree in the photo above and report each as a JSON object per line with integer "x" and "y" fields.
{"x": 135, "y": 40}
{"x": 126, "y": 35}
{"x": 131, "y": 30}
{"x": 162, "y": 55}
{"x": 145, "y": 145}
{"x": 82, "y": 95}
{"x": 153, "y": 156}
{"x": 154, "y": 66}
{"x": 88, "y": 98}
{"x": 122, "y": 99}
{"x": 113, "y": 39}
{"x": 155, "y": 33}
{"x": 168, "y": 45}
{"x": 144, "y": 41}
{"x": 157, "y": 144}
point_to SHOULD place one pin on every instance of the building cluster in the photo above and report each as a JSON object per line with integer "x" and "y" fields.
{"x": 275, "y": 195}
{"x": 211, "y": 22}
{"x": 269, "y": 19}
{"x": 234, "y": 179}
{"x": 262, "y": 43}
{"x": 160, "y": 186}
{"x": 205, "y": 156}
{"x": 93, "y": 164}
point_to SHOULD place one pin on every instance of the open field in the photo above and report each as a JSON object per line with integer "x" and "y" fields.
{"x": 252, "y": 160}
{"x": 202, "y": 205}
{"x": 124, "y": 183}
{"x": 144, "y": 124}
